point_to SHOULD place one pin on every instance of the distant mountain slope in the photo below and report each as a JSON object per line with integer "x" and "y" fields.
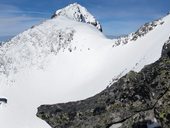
{"x": 62, "y": 60}
{"x": 142, "y": 31}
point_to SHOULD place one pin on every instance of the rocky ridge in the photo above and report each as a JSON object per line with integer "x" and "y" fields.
{"x": 137, "y": 100}
{"x": 142, "y": 31}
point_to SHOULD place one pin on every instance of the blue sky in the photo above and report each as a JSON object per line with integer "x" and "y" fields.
{"x": 116, "y": 16}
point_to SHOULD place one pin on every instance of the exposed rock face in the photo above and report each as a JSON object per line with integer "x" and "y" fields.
{"x": 136, "y": 100}
{"x": 78, "y": 13}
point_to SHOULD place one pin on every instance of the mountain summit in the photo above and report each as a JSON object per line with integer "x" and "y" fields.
{"x": 78, "y": 13}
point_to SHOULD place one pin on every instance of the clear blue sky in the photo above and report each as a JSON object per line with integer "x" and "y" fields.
{"x": 116, "y": 16}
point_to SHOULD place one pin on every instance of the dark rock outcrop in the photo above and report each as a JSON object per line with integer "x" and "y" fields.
{"x": 135, "y": 100}
{"x": 3, "y": 100}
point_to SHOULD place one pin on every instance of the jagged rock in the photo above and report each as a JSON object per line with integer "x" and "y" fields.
{"x": 143, "y": 119}
{"x": 135, "y": 100}
{"x": 162, "y": 110}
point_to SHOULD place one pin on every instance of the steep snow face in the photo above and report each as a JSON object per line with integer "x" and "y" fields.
{"x": 63, "y": 60}
{"x": 78, "y": 13}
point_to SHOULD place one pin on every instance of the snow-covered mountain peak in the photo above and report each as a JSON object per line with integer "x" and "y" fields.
{"x": 78, "y": 13}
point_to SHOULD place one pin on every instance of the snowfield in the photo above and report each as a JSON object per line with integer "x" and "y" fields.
{"x": 65, "y": 60}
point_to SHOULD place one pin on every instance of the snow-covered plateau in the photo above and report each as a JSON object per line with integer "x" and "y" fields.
{"x": 68, "y": 58}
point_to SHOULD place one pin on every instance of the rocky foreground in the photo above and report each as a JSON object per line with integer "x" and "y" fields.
{"x": 137, "y": 100}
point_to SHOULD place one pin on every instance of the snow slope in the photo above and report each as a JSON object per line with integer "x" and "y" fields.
{"x": 63, "y": 60}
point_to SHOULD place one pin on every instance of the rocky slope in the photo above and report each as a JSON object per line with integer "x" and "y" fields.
{"x": 137, "y": 100}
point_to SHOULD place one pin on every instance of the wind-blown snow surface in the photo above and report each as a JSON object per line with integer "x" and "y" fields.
{"x": 63, "y": 60}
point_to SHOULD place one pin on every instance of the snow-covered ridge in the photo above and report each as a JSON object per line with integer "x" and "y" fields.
{"x": 78, "y": 13}
{"x": 31, "y": 47}
{"x": 142, "y": 31}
